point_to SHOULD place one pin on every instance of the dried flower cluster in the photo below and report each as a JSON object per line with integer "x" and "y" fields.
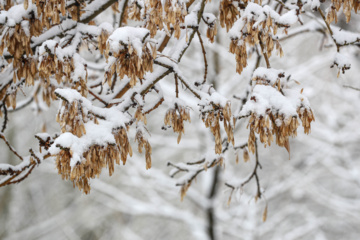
{"x": 254, "y": 32}
{"x": 274, "y": 123}
{"x": 102, "y": 39}
{"x": 346, "y": 5}
{"x": 72, "y": 118}
{"x": 61, "y": 69}
{"x": 17, "y": 41}
{"x": 143, "y": 143}
{"x": 128, "y": 61}
{"x": 212, "y": 120}
{"x": 228, "y": 13}
{"x": 175, "y": 118}
{"x": 91, "y": 165}
{"x": 134, "y": 11}
{"x": 212, "y": 29}
{"x": 140, "y": 116}
{"x": 175, "y": 12}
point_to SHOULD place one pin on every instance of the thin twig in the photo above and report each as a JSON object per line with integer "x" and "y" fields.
{"x": 6, "y": 119}
{"x": 329, "y": 28}
{"x": 10, "y": 147}
{"x": 204, "y": 54}
{"x": 354, "y": 88}
{"x": 98, "y": 98}
{"x": 263, "y": 52}
{"x": 176, "y": 86}
{"x": 122, "y": 13}
{"x": 161, "y": 100}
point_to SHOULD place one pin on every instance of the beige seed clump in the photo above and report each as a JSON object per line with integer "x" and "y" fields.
{"x": 134, "y": 12}
{"x": 212, "y": 120}
{"x": 143, "y": 143}
{"x": 5, "y": 5}
{"x": 229, "y": 13}
{"x": 102, "y": 38}
{"x": 175, "y": 118}
{"x": 255, "y": 34}
{"x": 72, "y": 118}
{"x": 155, "y": 20}
{"x": 140, "y": 116}
{"x": 211, "y": 31}
{"x": 275, "y": 125}
{"x": 17, "y": 43}
{"x": 129, "y": 63}
{"x": 62, "y": 70}
{"x": 174, "y": 15}
{"x": 346, "y": 5}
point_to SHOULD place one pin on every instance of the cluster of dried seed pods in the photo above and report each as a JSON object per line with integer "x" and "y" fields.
{"x": 5, "y": 5}
{"x": 306, "y": 115}
{"x": 102, "y": 38}
{"x": 140, "y": 116}
{"x": 130, "y": 63}
{"x": 212, "y": 120}
{"x": 172, "y": 14}
{"x": 62, "y": 69}
{"x": 25, "y": 68}
{"x": 262, "y": 33}
{"x": 49, "y": 10}
{"x": 273, "y": 123}
{"x": 17, "y": 41}
{"x": 90, "y": 166}
{"x": 346, "y": 5}
{"x": 175, "y": 12}
{"x": 175, "y": 118}
{"x": 155, "y": 19}
{"x": 211, "y": 31}
{"x": 143, "y": 143}
{"x": 72, "y": 118}
{"x": 134, "y": 11}
{"x": 229, "y": 13}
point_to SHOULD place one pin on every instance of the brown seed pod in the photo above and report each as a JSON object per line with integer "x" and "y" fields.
{"x": 175, "y": 118}
{"x": 143, "y": 143}
{"x": 229, "y": 13}
{"x": 346, "y": 5}
{"x": 212, "y": 120}
{"x": 126, "y": 57}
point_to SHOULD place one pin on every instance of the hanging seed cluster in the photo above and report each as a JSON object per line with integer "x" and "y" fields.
{"x": 130, "y": 63}
{"x": 211, "y": 31}
{"x": 175, "y": 118}
{"x": 5, "y": 5}
{"x": 102, "y": 38}
{"x": 229, "y": 13}
{"x": 143, "y": 143}
{"x": 172, "y": 14}
{"x": 212, "y": 120}
{"x": 26, "y": 68}
{"x": 72, "y": 118}
{"x": 346, "y": 5}
{"x": 274, "y": 124}
{"x": 155, "y": 19}
{"x": 62, "y": 70}
{"x": 50, "y": 10}
{"x": 175, "y": 13}
{"x": 260, "y": 33}
{"x": 17, "y": 42}
{"x": 134, "y": 11}
{"x": 306, "y": 115}
{"x": 140, "y": 116}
